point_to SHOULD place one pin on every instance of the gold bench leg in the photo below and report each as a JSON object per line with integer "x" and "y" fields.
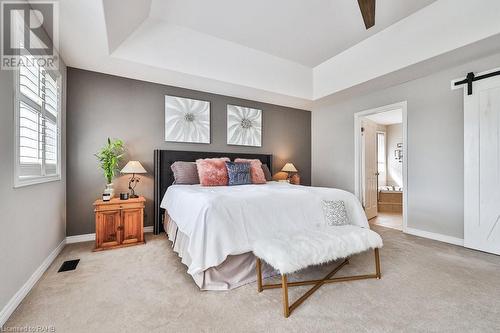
{"x": 377, "y": 264}
{"x": 259, "y": 275}
{"x": 284, "y": 285}
{"x": 287, "y": 309}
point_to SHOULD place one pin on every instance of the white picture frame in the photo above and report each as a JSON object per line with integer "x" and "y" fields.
{"x": 244, "y": 126}
{"x": 187, "y": 120}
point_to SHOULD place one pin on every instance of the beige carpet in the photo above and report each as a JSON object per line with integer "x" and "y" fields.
{"x": 426, "y": 286}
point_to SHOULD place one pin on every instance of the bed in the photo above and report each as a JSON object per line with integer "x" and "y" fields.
{"x": 213, "y": 228}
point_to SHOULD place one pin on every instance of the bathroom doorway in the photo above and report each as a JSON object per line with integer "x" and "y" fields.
{"x": 381, "y": 164}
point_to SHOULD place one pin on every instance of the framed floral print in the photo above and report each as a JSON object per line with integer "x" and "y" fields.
{"x": 244, "y": 126}
{"x": 187, "y": 120}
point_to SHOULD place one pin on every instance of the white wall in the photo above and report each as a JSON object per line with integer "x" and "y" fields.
{"x": 393, "y": 136}
{"x": 435, "y": 144}
{"x": 33, "y": 221}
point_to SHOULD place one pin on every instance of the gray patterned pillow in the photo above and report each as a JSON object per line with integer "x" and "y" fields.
{"x": 335, "y": 212}
{"x": 238, "y": 173}
{"x": 185, "y": 173}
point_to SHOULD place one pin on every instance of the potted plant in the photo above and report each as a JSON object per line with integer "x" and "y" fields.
{"x": 109, "y": 158}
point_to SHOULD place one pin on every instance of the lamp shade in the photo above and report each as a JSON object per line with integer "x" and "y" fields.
{"x": 133, "y": 167}
{"x": 289, "y": 167}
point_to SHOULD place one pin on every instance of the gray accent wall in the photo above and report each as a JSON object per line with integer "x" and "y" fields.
{"x": 33, "y": 217}
{"x": 435, "y": 144}
{"x": 101, "y": 105}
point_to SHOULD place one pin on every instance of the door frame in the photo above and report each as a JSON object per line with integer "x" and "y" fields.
{"x": 366, "y": 200}
{"x": 357, "y": 152}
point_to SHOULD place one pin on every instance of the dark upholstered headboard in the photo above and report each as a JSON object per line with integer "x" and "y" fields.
{"x": 164, "y": 176}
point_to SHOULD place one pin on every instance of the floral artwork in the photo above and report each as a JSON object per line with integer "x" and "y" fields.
{"x": 244, "y": 126}
{"x": 187, "y": 120}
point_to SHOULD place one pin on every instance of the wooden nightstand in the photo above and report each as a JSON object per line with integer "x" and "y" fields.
{"x": 119, "y": 223}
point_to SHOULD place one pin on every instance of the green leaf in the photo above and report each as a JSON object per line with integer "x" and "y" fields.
{"x": 109, "y": 157}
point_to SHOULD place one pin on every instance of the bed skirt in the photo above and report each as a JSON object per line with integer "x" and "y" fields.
{"x": 234, "y": 272}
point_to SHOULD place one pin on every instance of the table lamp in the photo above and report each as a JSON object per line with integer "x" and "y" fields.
{"x": 289, "y": 168}
{"x": 133, "y": 167}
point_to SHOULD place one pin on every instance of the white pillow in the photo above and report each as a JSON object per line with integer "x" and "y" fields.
{"x": 335, "y": 212}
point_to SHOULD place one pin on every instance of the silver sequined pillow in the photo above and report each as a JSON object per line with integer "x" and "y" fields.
{"x": 335, "y": 212}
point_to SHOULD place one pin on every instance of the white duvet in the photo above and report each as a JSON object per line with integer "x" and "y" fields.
{"x": 226, "y": 220}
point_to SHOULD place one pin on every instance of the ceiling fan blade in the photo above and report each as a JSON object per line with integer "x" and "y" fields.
{"x": 367, "y": 8}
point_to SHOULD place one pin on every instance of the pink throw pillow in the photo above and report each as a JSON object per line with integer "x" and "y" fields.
{"x": 212, "y": 171}
{"x": 256, "y": 172}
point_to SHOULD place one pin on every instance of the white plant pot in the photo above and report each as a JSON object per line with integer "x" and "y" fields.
{"x": 109, "y": 190}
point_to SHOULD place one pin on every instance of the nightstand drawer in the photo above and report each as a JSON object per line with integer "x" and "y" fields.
{"x": 124, "y": 205}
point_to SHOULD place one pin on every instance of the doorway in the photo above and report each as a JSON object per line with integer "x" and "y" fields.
{"x": 381, "y": 164}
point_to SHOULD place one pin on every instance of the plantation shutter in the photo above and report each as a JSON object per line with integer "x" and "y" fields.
{"x": 38, "y": 124}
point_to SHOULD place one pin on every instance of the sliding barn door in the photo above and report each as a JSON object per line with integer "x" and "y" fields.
{"x": 482, "y": 166}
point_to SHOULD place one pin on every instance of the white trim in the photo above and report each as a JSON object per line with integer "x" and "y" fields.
{"x": 80, "y": 238}
{"x": 91, "y": 237}
{"x": 405, "y": 167}
{"x": 25, "y": 289}
{"x": 435, "y": 236}
{"x": 357, "y": 152}
{"x": 35, "y": 180}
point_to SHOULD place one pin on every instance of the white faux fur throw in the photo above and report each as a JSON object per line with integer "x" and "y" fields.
{"x": 290, "y": 252}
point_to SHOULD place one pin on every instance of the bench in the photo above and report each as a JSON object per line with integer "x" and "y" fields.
{"x": 295, "y": 250}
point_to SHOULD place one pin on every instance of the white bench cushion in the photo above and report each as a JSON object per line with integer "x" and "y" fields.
{"x": 290, "y": 252}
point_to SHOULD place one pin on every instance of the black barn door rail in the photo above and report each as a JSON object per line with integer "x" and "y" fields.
{"x": 471, "y": 78}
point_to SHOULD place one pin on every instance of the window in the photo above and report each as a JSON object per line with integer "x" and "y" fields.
{"x": 38, "y": 124}
{"x": 381, "y": 158}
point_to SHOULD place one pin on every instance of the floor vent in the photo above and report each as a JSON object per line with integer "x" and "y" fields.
{"x": 69, "y": 265}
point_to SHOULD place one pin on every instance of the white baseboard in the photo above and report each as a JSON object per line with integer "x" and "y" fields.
{"x": 435, "y": 236}
{"x": 25, "y": 289}
{"x": 91, "y": 237}
{"x": 80, "y": 238}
